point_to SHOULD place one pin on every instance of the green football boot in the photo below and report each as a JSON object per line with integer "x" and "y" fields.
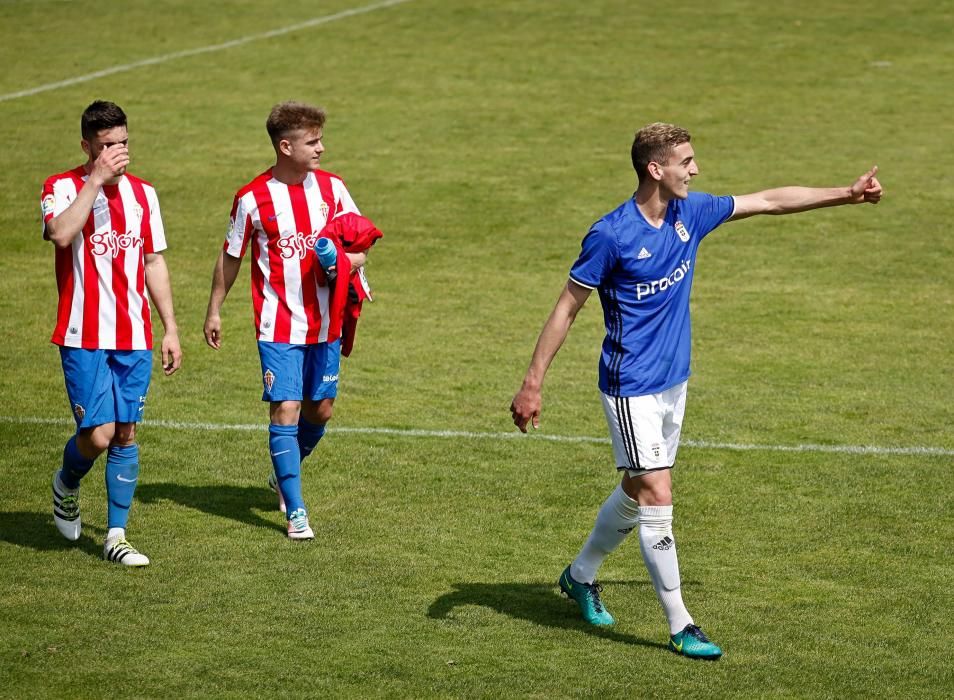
{"x": 693, "y": 643}
{"x": 587, "y": 596}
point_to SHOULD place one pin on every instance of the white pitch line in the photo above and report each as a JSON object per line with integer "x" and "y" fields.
{"x": 400, "y": 432}
{"x": 313, "y": 22}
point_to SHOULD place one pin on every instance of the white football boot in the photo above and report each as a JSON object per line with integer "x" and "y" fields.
{"x": 298, "y": 528}
{"x": 118, "y": 550}
{"x": 66, "y": 512}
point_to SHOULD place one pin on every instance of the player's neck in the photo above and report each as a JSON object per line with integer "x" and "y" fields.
{"x": 652, "y": 203}
{"x": 288, "y": 174}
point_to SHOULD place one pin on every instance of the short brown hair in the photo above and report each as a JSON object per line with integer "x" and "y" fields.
{"x": 654, "y": 144}
{"x": 100, "y": 115}
{"x": 289, "y": 116}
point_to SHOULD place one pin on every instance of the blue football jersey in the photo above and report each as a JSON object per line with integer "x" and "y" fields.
{"x": 644, "y": 276}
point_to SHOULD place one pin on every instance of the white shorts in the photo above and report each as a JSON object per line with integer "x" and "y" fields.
{"x": 645, "y": 429}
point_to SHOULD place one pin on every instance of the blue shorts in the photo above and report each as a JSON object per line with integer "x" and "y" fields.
{"x": 106, "y": 386}
{"x": 296, "y": 372}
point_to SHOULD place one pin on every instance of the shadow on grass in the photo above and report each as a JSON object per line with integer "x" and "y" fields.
{"x": 538, "y": 603}
{"x": 37, "y": 531}
{"x": 239, "y": 503}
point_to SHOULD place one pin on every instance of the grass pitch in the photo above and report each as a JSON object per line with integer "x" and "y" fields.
{"x": 484, "y": 138}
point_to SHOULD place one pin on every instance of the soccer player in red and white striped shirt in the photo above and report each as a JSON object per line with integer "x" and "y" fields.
{"x": 278, "y": 215}
{"x": 108, "y": 233}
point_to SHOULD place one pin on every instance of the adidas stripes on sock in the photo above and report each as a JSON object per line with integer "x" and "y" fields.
{"x": 616, "y": 519}
{"x": 659, "y": 554}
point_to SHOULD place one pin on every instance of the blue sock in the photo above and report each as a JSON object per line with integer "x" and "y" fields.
{"x": 308, "y": 436}
{"x": 122, "y": 471}
{"x": 75, "y": 465}
{"x": 283, "y": 447}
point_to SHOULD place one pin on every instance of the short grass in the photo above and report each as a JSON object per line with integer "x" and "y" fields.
{"x": 484, "y": 138}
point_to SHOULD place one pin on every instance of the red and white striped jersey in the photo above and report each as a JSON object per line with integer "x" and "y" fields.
{"x": 282, "y": 222}
{"x": 101, "y": 278}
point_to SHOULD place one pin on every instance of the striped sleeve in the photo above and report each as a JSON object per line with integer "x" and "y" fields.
{"x": 58, "y": 191}
{"x": 343, "y": 201}
{"x": 156, "y": 240}
{"x": 241, "y": 227}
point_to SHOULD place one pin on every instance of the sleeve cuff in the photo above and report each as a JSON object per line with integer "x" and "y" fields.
{"x": 581, "y": 284}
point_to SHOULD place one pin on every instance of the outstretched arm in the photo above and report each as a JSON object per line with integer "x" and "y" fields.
{"x": 527, "y": 403}
{"x": 223, "y": 277}
{"x": 789, "y": 200}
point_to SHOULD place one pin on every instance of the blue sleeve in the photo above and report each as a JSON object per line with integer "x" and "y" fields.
{"x": 709, "y": 212}
{"x": 598, "y": 255}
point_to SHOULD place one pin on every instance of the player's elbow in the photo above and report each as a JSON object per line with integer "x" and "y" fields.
{"x": 58, "y": 237}
{"x": 154, "y": 265}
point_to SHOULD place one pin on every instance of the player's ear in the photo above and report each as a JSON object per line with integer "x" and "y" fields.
{"x": 655, "y": 170}
{"x": 84, "y": 144}
{"x": 284, "y": 146}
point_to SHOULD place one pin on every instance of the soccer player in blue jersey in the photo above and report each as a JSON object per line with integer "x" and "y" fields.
{"x": 641, "y": 258}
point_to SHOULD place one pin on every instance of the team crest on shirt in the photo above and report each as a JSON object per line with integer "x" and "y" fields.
{"x": 269, "y": 379}
{"x": 137, "y": 208}
{"x": 323, "y": 208}
{"x": 682, "y": 232}
{"x": 48, "y": 204}
{"x": 79, "y": 411}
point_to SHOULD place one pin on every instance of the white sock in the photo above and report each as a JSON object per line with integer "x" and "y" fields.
{"x": 115, "y": 532}
{"x": 618, "y": 516}
{"x": 659, "y": 553}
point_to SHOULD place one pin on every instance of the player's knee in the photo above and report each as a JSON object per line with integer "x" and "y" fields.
{"x": 285, "y": 412}
{"x": 324, "y": 412}
{"x": 319, "y": 412}
{"x": 96, "y": 440}
{"x": 655, "y": 497}
{"x": 125, "y": 435}
{"x": 648, "y": 491}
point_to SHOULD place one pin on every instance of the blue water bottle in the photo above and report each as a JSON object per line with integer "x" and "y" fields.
{"x": 327, "y": 256}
